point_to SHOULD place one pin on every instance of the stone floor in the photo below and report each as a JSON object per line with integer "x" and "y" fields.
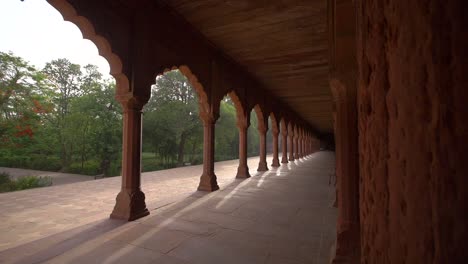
{"x": 280, "y": 216}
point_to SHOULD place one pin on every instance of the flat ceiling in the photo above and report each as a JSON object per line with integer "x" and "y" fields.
{"x": 283, "y": 43}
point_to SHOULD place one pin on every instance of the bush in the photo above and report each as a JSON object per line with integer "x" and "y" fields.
{"x": 91, "y": 167}
{"x": 4, "y": 178}
{"x": 30, "y": 182}
{"x": 115, "y": 169}
{"x": 33, "y": 161}
{"x": 23, "y": 183}
{"x": 45, "y": 163}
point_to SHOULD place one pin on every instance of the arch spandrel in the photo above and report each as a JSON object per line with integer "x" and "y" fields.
{"x": 275, "y": 126}
{"x": 243, "y": 119}
{"x": 262, "y": 118}
{"x": 69, "y": 13}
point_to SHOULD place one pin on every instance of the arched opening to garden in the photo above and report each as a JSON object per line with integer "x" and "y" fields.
{"x": 172, "y": 131}
{"x": 59, "y": 119}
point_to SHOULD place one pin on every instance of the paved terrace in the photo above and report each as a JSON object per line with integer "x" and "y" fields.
{"x": 280, "y": 216}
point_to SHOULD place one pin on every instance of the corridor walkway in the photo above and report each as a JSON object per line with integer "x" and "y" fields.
{"x": 281, "y": 216}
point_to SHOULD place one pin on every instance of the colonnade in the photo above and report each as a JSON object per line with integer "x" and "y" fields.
{"x": 136, "y": 58}
{"x": 130, "y": 202}
{"x": 396, "y": 73}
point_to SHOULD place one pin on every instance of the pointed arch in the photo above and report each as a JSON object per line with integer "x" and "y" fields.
{"x": 203, "y": 102}
{"x": 261, "y": 117}
{"x": 275, "y": 123}
{"x": 242, "y": 117}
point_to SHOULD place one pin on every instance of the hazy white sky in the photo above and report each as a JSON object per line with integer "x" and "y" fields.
{"x": 35, "y": 31}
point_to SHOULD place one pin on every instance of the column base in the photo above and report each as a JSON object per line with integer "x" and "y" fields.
{"x": 130, "y": 205}
{"x": 243, "y": 172}
{"x": 208, "y": 183}
{"x": 262, "y": 166}
{"x": 347, "y": 246}
{"x": 275, "y": 163}
{"x": 284, "y": 160}
{"x": 291, "y": 158}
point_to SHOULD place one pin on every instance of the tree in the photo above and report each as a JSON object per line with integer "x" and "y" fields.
{"x": 172, "y": 111}
{"x": 227, "y": 134}
{"x": 64, "y": 77}
{"x": 22, "y": 101}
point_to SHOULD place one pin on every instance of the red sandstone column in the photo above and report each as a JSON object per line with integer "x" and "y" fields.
{"x": 347, "y": 171}
{"x": 291, "y": 143}
{"x": 275, "y": 162}
{"x": 284, "y": 133}
{"x": 243, "y": 170}
{"x": 301, "y": 144}
{"x": 306, "y": 150}
{"x": 130, "y": 202}
{"x": 343, "y": 84}
{"x": 296, "y": 145}
{"x": 208, "y": 180}
{"x": 262, "y": 164}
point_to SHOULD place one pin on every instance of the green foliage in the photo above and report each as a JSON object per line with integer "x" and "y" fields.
{"x": 253, "y": 143}
{"x": 226, "y": 133}
{"x": 23, "y": 183}
{"x": 22, "y": 101}
{"x": 171, "y": 121}
{"x": 65, "y": 118}
{"x": 61, "y": 117}
{"x": 29, "y": 182}
{"x": 4, "y": 178}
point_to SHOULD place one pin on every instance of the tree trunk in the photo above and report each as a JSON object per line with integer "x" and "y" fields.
{"x": 180, "y": 155}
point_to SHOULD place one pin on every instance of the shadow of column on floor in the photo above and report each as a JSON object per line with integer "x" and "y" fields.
{"x": 166, "y": 217}
{"x": 48, "y": 247}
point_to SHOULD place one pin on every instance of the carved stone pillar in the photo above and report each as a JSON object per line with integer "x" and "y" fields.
{"x": 275, "y": 162}
{"x": 291, "y": 143}
{"x": 284, "y": 142}
{"x": 243, "y": 124}
{"x": 208, "y": 180}
{"x": 301, "y": 144}
{"x": 347, "y": 247}
{"x": 296, "y": 144}
{"x": 343, "y": 84}
{"x": 262, "y": 164}
{"x": 130, "y": 202}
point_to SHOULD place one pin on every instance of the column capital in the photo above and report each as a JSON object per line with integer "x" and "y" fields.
{"x": 341, "y": 92}
{"x": 262, "y": 129}
{"x": 208, "y": 118}
{"x": 284, "y": 132}
{"x": 243, "y": 122}
{"x": 131, "y": 101}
